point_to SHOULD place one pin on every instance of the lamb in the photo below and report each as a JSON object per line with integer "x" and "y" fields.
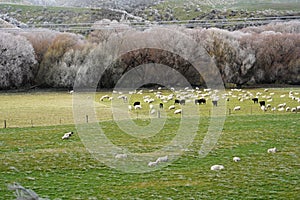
{"x": 237, "y": 108}
{"x": 217, "y": 167}
{"x": 67, "y": 135}
{"x": 272, "y": 150}
{"x": 236, "y": 159}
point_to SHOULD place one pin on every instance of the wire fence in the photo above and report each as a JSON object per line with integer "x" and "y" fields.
{"x": 204, "y": 111}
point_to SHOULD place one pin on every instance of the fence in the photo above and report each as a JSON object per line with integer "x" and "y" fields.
{"x": 13, "y": 122}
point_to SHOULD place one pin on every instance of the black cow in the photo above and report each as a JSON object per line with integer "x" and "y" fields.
{"x": 136, "y": 103}
{"x": 161, "y": 105}
{"x": 176, "y": 101}
{"x": 262, "y": 103}
{"x": 255, "y": 100}
{"x": 200, "y": 101}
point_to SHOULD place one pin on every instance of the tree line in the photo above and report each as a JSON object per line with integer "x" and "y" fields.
{"x": 45, "y": 58}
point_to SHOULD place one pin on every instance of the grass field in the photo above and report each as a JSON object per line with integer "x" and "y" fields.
{"x": 38, "y": 159}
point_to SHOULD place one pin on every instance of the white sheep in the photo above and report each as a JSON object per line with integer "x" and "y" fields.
{"x": 152, "y": 111}
{"x": 293, "y": 109}
{"x": 287, "y": 109}
{"x": 120, "y": 156}
{"x": 152, "y": 164}
{"x": 236, "y": 159}
{"x": 171, "y": 107}
{"x": 67, "y": 135}
{"x": 263, "y": 108}
{"x": 104, "y": 97}
{"x": 129, "y": 107}
{"x": 178, "y": 111}
{"x": 162, "y": 159}
{"x": 137, "y": 107}
{"x": 272, "y": 150}
{"x": 237, "y": 108}
{"x": 217, "y": 167}
{"x": 151, "y": 106}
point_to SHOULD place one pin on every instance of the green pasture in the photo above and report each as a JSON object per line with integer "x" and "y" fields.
{"x": 38, "y": 159}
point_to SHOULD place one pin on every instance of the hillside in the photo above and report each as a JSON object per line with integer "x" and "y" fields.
{"x": 75, "y": 11}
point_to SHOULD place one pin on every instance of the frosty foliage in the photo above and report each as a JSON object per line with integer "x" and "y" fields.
{"x": 17, "y": 61}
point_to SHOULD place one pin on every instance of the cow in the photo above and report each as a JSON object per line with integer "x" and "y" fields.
{"x": 176, "y": 101}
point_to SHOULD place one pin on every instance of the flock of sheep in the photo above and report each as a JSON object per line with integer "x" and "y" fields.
{"x": 264, "y": 99}
{"x": 201, "y": 97}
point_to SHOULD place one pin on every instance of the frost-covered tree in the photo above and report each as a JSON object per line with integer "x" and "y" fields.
{"x": 17, "y": 61}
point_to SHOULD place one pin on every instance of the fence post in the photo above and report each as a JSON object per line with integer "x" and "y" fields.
{"x": 87, "y": 118}
{"x": 158, "y": 114}
{"x": 229, "y": 111}
{"x": 4, "y": 123}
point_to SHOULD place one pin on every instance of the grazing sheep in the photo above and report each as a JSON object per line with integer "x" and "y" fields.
{"x": 152, "y": 164}
{"x": 255, "y": 100}
{"x": 237, "y": 108}
{"x": 293, "y": 109}
{"x": 151, "y": 106}
{"x": 287, "y": 109}
{"x": 281, "y": 109}
{"x": 263, "y": 108}
{"x": 282, "y": 105}
{"x": 273, "y": 109}
{"x": 217, "y": 167}
{"x": 272, "y": 150}
{"x": 67, "y": 135}
{"x": 236, "y": 159}
{"x": 120, "y": 156}
{"x": 178, "y": 111}
{"x": 171, "y": 107}
{"x": 162, "y": 159}
{"x": 298, "y": 107}
{"x": 262, "y": 103}
{"x": 129, "y": 107}
{"x": 104, "y": 97}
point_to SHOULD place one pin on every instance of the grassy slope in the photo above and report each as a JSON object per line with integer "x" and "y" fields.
{"x": 38, "y": 158}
